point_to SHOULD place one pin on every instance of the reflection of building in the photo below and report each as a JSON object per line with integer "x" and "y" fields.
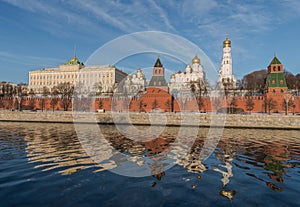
{"x": 55, "y": 147}
{"x": 228, "y": 152}
{"x": 73, "y": 72}
{"x": 226, "y": 77}
{"x": 193, "y": 76}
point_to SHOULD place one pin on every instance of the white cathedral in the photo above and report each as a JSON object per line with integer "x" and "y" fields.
{"x": 193, "y": 78}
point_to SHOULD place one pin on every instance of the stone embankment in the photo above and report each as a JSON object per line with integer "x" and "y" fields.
{"x": 259, "y": 121}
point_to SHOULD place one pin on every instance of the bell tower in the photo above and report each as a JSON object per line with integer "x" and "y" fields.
{"x": 225, "y": 73}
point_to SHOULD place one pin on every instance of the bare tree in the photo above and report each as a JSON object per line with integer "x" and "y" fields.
{"x": 168, "y": 104}
{"x": 100, "y": 104}
{"x": 45, "y": 94}
{"x": 232, "y": 104}
{"x": 140, "y": 104}
{"x": 297, "y": 81}
{"x": 269, "y": 104}
{"x": 255, "y": 81}
{"x": 66, "y": 92}
{"x": 198, "y": 88}
{"x": 32, "y": 99}
{"x": 249, "y": 104}
{"x": 287, "y": 104}
{"x": 290, "y": 80}
{"x": 154, "y": 104}
{"x": 54, "y": 97}
{"x": 217, "y": 103}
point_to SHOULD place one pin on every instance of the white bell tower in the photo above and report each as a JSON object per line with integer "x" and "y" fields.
{"x": 225, "y": 73}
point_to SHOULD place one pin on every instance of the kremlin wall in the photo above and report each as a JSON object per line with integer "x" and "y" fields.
{"x": 187, "y": 91}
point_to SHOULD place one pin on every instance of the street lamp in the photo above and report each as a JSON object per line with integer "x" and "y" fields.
{"x": 287, "y": 98}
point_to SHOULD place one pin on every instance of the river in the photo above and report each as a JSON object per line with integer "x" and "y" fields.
{"x": 52, "y": 165}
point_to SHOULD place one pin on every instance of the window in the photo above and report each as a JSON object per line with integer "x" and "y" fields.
{"x": 273, "y": 81}
{"x": 281, "y": 82}
{"x": 274, "y": 68}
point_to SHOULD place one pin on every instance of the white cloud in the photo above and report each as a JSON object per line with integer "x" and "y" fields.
{"x": 32, "y": 61}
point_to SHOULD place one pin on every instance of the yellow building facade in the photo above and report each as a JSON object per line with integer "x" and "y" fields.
{"x": 76, "y": 73}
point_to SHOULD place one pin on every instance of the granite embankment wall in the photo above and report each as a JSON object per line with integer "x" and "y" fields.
{"x": 260, "y": 121}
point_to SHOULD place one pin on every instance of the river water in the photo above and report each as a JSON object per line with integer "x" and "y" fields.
{"x": 48, "y": 165}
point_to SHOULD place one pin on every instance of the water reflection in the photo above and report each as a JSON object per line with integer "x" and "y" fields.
{"x": 269, "y": 157}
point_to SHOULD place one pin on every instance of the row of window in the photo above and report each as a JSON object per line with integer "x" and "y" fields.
{"x": 281, "y": 82}
{"x": 108, "y": 81}
{"x": 61, "y": 76}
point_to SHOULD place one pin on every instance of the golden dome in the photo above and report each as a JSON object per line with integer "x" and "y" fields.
{"x": 139, "y": 70}
{"x": 173, "y": 75}
{"x": 196, "y": 60}
{"x": 227, "y": 42}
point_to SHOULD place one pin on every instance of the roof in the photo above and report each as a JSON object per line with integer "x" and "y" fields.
{"x": 158, "y": 81}
{"x": 276, "y": 80}
{"x": 275, "y": 61}
{"x": 74, "y": 61}
{"x": 158, "y": 63}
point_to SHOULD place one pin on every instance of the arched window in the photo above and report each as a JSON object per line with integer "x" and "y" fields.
{"x": 274, "y": 68}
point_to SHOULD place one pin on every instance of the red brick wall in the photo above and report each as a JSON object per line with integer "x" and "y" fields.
{"x": 164, "y": 102}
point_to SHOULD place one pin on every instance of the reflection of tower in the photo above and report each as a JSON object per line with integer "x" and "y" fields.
{"x": 228, "y": 152}
{"x": 225, "y": 73}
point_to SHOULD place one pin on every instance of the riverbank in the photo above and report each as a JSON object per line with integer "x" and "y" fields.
{"x": 259, "y": 121}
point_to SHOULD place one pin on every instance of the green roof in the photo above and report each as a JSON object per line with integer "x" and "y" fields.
{"x": 276, "y": 80}
{"x": 74, "y": 61}
{"x": 158, "y": 81}
{"x": 275, "y": 61}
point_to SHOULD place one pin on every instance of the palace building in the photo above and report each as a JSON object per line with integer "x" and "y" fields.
{"x": 75, "y": 72}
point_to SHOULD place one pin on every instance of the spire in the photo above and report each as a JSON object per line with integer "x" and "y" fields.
{"x": 75, "y": 52}
{"x": 74, "y": 60}
{"x": 158, "y": 63}
{"x": 275, "y": 61}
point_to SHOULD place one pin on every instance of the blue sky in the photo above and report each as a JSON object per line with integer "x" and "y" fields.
{"x": 37, "y": 34}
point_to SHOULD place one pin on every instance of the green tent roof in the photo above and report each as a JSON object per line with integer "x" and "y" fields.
{"x": 275, "y": 61}
{"x": 276, "y": 80}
